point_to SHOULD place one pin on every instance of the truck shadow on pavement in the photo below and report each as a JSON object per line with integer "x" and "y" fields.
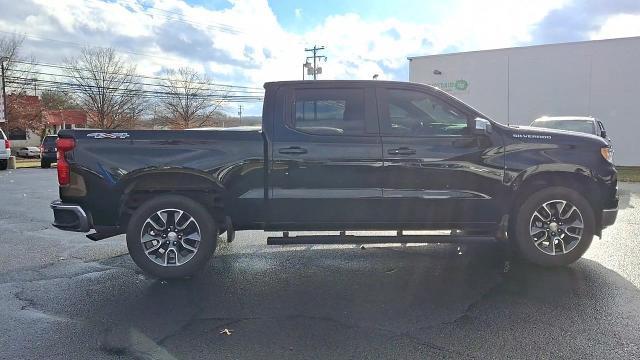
{"x": 325, "y": 303}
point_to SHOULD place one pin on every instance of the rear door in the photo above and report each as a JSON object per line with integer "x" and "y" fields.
{"x": 436, "y": 171}
{"x": 326, "y": 158}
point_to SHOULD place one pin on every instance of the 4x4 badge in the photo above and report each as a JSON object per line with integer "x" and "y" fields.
{"x": 100, "y": 135}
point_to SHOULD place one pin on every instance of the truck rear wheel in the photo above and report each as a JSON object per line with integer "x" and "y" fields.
{"x": 4, "y": 164}
{"x": 171, "y": 236}
{"x": 553, "y": 227}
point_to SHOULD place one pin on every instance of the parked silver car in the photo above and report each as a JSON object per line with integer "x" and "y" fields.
{"x": 583, "y": 124}
{"x": 28, "y": 151}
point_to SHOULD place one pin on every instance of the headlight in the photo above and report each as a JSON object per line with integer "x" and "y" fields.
{"x": 607, "y": 153}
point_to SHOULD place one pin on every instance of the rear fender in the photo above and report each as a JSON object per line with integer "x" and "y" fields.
{"x": 199, "y": 185}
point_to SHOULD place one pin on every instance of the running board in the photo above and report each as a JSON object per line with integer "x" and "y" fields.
{"x": 357, "y": 240}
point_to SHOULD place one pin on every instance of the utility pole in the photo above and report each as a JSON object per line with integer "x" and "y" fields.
{"x": 4, "y": 93}
{"x": 240, "y": 112}
{"x": 315, "y": 56}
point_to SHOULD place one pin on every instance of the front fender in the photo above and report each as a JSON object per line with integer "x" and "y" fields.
{"x": 516, "y": 179}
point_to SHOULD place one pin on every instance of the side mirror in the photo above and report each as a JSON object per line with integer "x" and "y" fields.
{"x": 482, "y": 126}
{"x": 603, "y": 134}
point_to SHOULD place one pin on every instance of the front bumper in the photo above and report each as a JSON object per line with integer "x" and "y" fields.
{"x": 609, "y": 217}
{"x": 70, "y": 217}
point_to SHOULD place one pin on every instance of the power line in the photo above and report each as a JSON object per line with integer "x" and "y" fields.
{"x": 67, "y": 67}
{"x": 76, "y": 44}
{"x": 166, "y": 96}
{"x": 228, "y": 88}
{"x": 217, "y": 26}
{"x": 61, "y": 86}
{"x": 177, "y": 16}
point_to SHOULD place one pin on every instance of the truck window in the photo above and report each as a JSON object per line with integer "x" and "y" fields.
{"x": 415, "y": 113}
{"x": 329, "y": 112}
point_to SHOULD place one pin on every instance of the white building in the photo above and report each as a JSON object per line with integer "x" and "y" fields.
{"x": 599, "y": 78}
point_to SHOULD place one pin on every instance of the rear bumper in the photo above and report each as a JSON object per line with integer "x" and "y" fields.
{"x": 70, "y": 217}
{"x": 49, "y": 156}
{"x": 609, "y": 217}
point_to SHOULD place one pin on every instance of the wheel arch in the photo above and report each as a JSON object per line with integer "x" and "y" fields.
{"x": 197, "y": 185}
{"x": 575, "y": 177}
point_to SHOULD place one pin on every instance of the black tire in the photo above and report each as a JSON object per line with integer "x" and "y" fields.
{"x": 520, "y": 231}
{"x": 205, "y": 248}
{"x": 45, "y": 164}
{"x": 4, "y": 164}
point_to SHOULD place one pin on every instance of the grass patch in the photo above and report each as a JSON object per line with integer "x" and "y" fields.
{"x": 27, "y": 164}
{"x": 628, "y": 173}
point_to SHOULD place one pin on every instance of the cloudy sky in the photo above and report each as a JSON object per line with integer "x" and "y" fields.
{"x": 248, "y": 42}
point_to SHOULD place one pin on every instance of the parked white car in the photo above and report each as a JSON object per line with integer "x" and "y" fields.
{"x": 28, "y": 151}
{"x": 5, "y": 151}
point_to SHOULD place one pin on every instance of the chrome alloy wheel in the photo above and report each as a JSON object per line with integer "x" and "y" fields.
{"x": 170, "y": 237}
{"x": 556, "y": 227}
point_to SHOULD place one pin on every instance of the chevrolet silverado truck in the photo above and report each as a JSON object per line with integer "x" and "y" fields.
{"x": 338, "y": 156}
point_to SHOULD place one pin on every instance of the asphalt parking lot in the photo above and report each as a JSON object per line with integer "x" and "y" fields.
{"x": 64, "y": 296}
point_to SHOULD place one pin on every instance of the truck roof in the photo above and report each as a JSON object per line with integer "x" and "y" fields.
{"x": 329, "y": 83}
{"x": 545, "y": 118}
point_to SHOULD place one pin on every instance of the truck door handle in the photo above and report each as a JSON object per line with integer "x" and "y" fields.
{"x": 293, "y": 150}
{"x": 401, "y": 151}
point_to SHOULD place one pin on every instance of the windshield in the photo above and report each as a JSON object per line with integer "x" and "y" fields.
{"x": 49, "y": 140}
{"x": 583, "y": 126}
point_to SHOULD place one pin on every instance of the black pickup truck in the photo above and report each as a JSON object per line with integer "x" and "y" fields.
{"x": 338, "y": 156}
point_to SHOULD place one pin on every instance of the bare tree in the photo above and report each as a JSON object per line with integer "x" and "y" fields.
{"x": 191, "y": 100}
{"x": 18, "y": 69}
{"x": 57, "y": 100}
{"x": 23, "y": 111}
{"x": 107, "y": 88}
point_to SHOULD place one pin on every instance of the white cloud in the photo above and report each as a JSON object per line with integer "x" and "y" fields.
{"x": 622, "y": 25}
{"x": 358, "y": 48}
{"x": 244, "y": 44}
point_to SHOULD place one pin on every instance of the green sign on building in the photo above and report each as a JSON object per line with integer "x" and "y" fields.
{"x": 460, "y": 85}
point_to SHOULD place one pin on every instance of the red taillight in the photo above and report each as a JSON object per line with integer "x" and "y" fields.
{"x": 7, "y": 144}
{"x": 64, "y": 173}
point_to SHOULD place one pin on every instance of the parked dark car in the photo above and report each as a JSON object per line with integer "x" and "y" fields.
{"x": 340, "y": 156}
{"x": 48, "y": 151}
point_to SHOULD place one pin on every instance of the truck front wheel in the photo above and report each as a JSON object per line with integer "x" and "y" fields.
{"x": 171, "y": 236}
{"x": 553, "y": 226}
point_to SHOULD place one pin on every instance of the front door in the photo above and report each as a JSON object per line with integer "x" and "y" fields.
{"x": 437, "y": 173}
{"x": 326, "y": 159}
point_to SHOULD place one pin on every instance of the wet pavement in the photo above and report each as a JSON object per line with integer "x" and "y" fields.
{"x": 63, "y": 296}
